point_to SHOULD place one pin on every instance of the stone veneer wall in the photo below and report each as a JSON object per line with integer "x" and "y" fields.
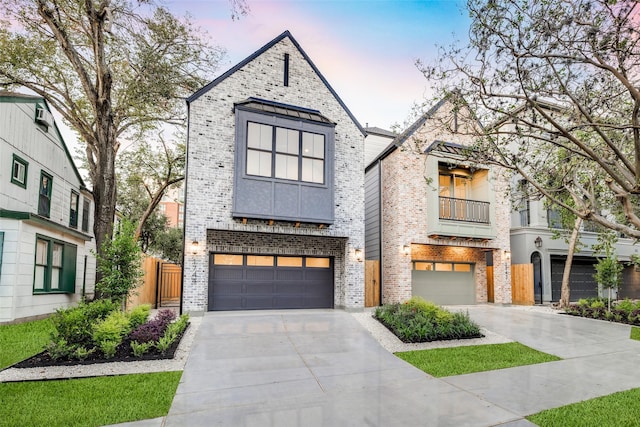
{"x": 209, "y": 182}
{"x": 404, "y": 216}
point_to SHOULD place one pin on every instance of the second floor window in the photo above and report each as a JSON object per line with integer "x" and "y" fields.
{"x": 277, "y": 152}
{"x": 44, "y": 198}
{"x": 73, "y": 211}
{"x": 19, "y": 171}
{"x": 85, "y": 215}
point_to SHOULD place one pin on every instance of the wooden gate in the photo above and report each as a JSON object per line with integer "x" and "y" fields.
{"x": 522, "y": 284}
{"x": 371, "y": 283}
{"x": 169, "y": 285}
{"x": 490, "y": 293}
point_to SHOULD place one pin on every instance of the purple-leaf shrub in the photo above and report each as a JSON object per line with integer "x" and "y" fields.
{"x": 154, "y": 329}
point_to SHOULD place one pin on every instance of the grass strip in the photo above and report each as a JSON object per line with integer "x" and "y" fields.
{"x": 614, "y": 410}
{"x": 635, "y": 333}
{"x": 444, "y": 362}
{"x": 23, "y": 340}
{"x": 87, "y": 401}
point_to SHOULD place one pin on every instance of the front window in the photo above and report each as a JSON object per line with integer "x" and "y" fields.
{"x": 73, "y": 210}
{"x": 277, "y": 152}
{"x": 19, "y": 171}
{"x": 44, "y": 201}
{"x": 55, "y": 266}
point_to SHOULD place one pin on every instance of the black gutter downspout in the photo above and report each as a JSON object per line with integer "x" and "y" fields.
{"x": 84, "y": 278}
{"x": 184, "y": 220}
{"x": 380, "y": 227}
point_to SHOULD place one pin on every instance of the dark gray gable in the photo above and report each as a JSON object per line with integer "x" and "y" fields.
{"x": 259, "y": 52}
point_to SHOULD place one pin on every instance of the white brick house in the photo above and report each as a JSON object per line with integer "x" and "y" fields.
{"x": 46, "y": 229}
{"x": 435, "y": 220}
{"x": 274, "y": 204}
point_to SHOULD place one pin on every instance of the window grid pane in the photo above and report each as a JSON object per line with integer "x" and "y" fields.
{"x": 313, "y": 170}
{"x": 313, "y": 145}
{"x": 259, "y": 136}
{"x": 318, "y": 262}
{"x": 288, "y": 261}
{"x": 42, "y": 248}
{"x": 56, "y": 259}
{"x": 287, "y": 141}
{"x": 286, "y": 167}
{"x": 260, "y": 260}
{"x": 258, "y": 163}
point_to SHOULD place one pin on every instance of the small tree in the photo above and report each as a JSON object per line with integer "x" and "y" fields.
{"x": 608, "y": 269}
{"x": 120, "y": 264}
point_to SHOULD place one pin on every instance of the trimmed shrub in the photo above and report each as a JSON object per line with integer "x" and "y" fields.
{"x": 108, "y": 333}
{"x": 154, "y": 329}
{"x": 139, "y": 315}
{"x": 420, "y": 321}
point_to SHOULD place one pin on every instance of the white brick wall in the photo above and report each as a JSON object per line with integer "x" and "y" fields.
{"x": 209, "y": 182}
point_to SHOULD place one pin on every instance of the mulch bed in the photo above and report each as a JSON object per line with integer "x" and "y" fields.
{"x": 123, "y": 354}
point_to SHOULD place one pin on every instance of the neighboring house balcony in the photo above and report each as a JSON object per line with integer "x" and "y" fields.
{"x": 462, "y": 205}
{"x": 464, "y": 210}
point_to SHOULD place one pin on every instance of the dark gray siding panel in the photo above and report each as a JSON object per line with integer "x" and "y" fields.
{"x": 271, "y": 198}
{"x": 372, "y": 213}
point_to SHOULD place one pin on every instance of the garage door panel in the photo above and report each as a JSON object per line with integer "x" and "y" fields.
{"x": 253, "y": 287}
{"x": 254, "y": 273}
{"x": 444, "y": 287}
{"x": 289, "y": 274}
{"x": 582, "y": 282}
{"x": 227, "y": 273}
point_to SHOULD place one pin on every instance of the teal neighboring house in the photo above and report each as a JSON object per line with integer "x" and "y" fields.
{"x": 46, "y": 227}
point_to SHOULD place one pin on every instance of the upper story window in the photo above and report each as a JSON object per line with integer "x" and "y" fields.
{"x": 455, "y": 185}
{"x": 284, "y": 163}
{"x": 278, "y": 152}
{"x": 73, "y": 210}
{"x": 19, "y": 169}
{"x": 44, "y": 198}
{"x": 85, "y": 214}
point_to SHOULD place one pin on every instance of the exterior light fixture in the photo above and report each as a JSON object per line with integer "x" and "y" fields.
{"x": 359, "y": 255}
{"x": 194, "y": 247}
{"x": 406, "y": 250}
{"x": 538, "y": 242}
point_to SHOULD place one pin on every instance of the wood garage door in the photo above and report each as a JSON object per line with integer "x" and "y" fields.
{"x": 263, "y": 282}
{"x": 444, "y": 283}
{"x": 581, "y": 280}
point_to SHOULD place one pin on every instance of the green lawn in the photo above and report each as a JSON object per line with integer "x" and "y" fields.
{"x": 87, "y": 401}
{"x": 444, "y": 362}
{"x": 23, "y": 340}
{"x": 614, "y": 410}
{"x": 635, "y": 333}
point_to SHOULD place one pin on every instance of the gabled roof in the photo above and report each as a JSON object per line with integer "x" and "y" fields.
{"x": 16, "y": 97}
{"x": 400, "y": 139}
{"x": 379, "y": 131}
{"x": 259, "y": 52}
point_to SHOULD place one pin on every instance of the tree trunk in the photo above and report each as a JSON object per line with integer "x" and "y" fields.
{"x": 573, "y": 241}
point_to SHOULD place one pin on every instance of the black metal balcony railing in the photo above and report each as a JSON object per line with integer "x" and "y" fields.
{"x": 464, "y": 210}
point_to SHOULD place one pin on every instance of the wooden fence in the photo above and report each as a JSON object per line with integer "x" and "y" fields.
{"x": 160, "y": 284}
{"x": 371, "y": 283}
{"x": 521, "y": 284}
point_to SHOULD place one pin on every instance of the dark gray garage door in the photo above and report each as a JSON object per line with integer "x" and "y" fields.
{"x": 582, "y": 283}
{"x": 262, "y": 282}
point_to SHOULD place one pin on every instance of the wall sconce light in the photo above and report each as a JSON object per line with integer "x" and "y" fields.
{"x": 406, "y": 250}
{"x": 538, "y": 242}
{"x": 359, "y": 255}
{"x": 194, "y": 247}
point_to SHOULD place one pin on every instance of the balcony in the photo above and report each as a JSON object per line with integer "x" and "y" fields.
{"x": 464, "y": 210}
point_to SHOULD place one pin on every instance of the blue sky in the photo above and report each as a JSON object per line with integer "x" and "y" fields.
{"x": 366, "y": 49}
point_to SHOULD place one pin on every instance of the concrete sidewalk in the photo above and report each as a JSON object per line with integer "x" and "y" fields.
{"x": 321, "y": 368}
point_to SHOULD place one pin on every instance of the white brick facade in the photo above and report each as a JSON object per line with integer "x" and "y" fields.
{"x": 406, "y": 183}
{"x": 210, "y": 176}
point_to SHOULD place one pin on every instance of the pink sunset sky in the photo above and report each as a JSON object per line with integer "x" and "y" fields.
{"x": 366, "y": 49}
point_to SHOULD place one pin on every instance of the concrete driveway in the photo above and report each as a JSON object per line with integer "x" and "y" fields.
{"x": 322, "y": 368}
